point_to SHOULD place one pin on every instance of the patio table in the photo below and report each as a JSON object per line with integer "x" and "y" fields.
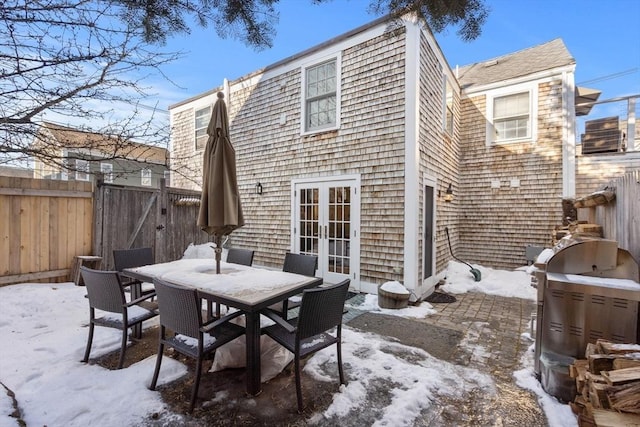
{"x": 248, "y": 289}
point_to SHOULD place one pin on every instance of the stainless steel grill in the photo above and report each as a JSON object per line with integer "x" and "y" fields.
{"x": 588, "y": 289}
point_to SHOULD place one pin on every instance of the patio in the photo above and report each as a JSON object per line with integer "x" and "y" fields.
{"x": 474, "y": 345}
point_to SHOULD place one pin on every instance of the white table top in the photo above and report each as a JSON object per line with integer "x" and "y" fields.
{"x": 244, "y": 284}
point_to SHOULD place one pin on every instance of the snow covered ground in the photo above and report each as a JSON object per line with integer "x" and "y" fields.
{"x": 43, "y": 331}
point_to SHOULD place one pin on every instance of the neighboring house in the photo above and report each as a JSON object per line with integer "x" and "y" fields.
{"x": 84, "y": 154}
{"x": 366, "y": 148}
{"x": 16, "y": 172}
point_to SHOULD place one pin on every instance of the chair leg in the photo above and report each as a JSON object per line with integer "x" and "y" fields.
{"x": 298, "y": 383}
{"x": 123, "y": 348}
{"x": 89, "y": 341}
{"x": 156, "y": 371}
{"x": 340, "y": 370}
{"x": 196, "y": 383}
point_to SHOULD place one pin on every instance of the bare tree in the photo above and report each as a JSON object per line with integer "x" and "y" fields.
{"x": 86, "y": 62}
{"x": 73, "y": 61}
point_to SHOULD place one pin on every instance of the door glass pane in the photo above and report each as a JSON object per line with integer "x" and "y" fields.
{"x": 308, "y": 224}
{"x": 339, "y": 221}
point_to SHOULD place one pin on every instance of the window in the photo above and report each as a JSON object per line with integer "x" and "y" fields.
{"x": 145, "y": 178}
{"x": 167, "y": 178}
{"x": 448, "y": 106}
{"x": 203, "y": 116}
{"x": 107, "y": 172}
{"x": 320, "y": 96}
{"x": 511, "y": 117}
{"x": 82, "y": 170}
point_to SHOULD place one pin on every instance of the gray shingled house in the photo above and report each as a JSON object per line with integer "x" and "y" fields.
{"x": 365, "y": 148}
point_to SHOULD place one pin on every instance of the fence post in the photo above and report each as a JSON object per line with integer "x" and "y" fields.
{"x": 98, "y": 200}
{"x": 161, "y": 223}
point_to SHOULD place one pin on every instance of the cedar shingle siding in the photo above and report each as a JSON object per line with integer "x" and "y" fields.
{"x": 497, "y": 223}
{"x": 487, "y": 226}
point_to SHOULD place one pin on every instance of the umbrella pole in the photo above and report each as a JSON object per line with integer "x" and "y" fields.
{"x": 218, "y": 251}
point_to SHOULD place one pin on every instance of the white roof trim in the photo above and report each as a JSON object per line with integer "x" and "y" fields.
{"x": 541, "y": 76}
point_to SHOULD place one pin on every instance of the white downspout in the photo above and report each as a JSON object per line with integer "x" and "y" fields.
{"x": 412, "y": 157}
{"x": 568, "y": 135}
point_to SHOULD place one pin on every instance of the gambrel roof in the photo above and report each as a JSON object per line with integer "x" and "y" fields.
{"x": 547, "y": 56}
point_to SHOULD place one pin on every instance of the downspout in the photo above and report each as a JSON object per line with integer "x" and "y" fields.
{"x": 412, "y": 157}
{"x": 568, "y": 135}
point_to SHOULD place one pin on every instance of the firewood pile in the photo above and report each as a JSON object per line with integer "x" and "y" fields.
{"x": 608, "y": 385}
{"x": 576, "y": 229}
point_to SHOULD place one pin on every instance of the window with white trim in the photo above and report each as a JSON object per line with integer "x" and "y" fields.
{"x": 145, "y": 177}
{"x": 107, "y": 172}
{"x": 203, "y": 115}
{"x": 512, "y": 117}
{"x": 82, "y": 170}
{"x": 321, "y": 96}
{"x": 167, "y": 178}
{"x": 448, "y": 106}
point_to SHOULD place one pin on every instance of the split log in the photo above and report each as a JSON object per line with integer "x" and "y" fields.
{"x": 621, "y": 376}
{"x": 598, "y": 395}
{"x": 621, "y": 363}
{"x": 605, "y": 418}
{"x": 601, "y": 362}
{"x": 608, "y": 347}
{"x": 625, "y": 398}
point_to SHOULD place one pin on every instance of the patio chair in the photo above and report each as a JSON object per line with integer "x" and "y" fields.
{"x": 320, "y": 312}
{"x": 240, "y": 256}
{"x": 106, "y": 292}
{"x": 299, "y": 264}
{"x": 181, "y": 313}
{"x": 130, "y": 258}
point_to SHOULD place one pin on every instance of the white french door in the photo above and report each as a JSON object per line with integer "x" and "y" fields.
{"x": 326, "y": 222}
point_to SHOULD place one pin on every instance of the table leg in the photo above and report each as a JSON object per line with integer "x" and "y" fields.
{"x": 252, "y": 334}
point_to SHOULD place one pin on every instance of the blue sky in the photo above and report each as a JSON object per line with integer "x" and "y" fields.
{"x": 602, "y": 35}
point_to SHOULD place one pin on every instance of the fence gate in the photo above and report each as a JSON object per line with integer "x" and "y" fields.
{"x": 133, "y": 217}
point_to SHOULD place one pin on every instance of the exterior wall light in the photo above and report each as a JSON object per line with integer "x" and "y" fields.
{"x": 448, "y": 195}
{"x": 258, "y": 188}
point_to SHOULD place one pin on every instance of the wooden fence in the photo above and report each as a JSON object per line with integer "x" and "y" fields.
{"x": 620, "y": 219}
{"x": 132, "y": 217}
{"x": 43, "y": 225}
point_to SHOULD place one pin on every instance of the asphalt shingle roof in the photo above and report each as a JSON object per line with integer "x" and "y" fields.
{"x": 543, "y": 57}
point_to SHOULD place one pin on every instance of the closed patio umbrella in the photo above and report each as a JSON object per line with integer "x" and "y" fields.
{"x": 220, "y": 209}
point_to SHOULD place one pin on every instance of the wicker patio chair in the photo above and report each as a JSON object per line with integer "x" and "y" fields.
{"x": 181, "y": 313}
{"x": 130, "y": 258}
{"x": 299, "y": 264}
{"x": 105, "y": 292}
{"x": 240, "y": 256}
{"x": 320, "y": 312}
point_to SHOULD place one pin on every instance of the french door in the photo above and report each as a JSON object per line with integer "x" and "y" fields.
{"x": 326, "y": 222}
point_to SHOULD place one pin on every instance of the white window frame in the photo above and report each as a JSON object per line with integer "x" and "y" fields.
{"x": 107, "y": 172}
{"x": 448, "y": 121}
{"x": 82, "y": 170}
{"x": 531, "y": 89}
{"x": 145, "y": 177}
{"x": 64, "y": 171}
{"x": 304, "y": 130}
{"x": 203, "y": 129}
